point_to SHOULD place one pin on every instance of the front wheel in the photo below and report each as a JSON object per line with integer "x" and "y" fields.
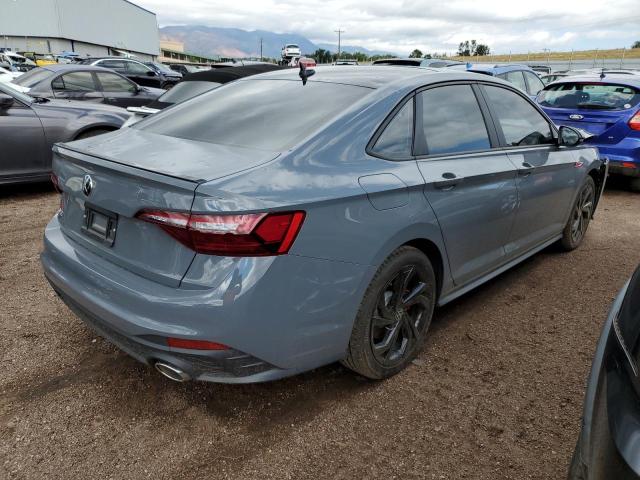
{"x": 581, "y": 213}
{"x": 394, "y": 316}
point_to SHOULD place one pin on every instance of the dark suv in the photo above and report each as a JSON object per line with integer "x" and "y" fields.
{"x": 135, "y": 70}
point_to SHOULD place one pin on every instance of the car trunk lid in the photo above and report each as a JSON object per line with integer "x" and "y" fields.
{"x": 607, "y": 126}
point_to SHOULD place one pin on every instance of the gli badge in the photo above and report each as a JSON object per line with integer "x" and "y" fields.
{"x": 576, "y": 117}
{"x": 87, "y": 185}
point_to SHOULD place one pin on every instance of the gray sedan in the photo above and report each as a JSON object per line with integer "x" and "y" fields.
{"x": 274, "y": 225}
{"x": 30, "y": 126}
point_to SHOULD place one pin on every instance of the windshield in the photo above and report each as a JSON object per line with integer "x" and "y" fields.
{"x": 589, "y": 95}
{"x": 8, "y": 89}
{"x": 32, "y": 77}
{"x": 181, "y": 92}
{"x": 270, "y": 115}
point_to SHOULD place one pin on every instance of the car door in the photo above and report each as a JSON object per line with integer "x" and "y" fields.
{"x": 469, "y": 182}
{"x": 23, "y": 150}
{"x": 77, "y": 86}
{"x": 142, "y": 75}
{"x": 120, "y": 91}
{"x": 547, "y": 174}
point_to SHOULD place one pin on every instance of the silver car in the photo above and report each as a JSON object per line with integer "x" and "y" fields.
{"x": 277, "y": 223}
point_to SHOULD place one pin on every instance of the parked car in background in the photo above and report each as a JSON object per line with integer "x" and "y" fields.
{"x": 134, "y": 70}
{"x": 608, "y": 107}
{"x": 547, "y": 79}
{"x": 291, "y": 50}
{"x": 163, "y": 69}
{"x": 344, "y": 61}
{"x": 541, "y": 69}
{"x": 30, "y": 126}
{"x": 40, "y": 59}
{"x": 418, "y": 62}
{"x": 608, "y": 447}
{"x": 195, "y": 84}
{"x": 521, "y": 76}
{"x": 8, "y": 75}
{"x": 85, "y": 83}
{"x": 16, "y": 62}
{"x": 274, "y": 225}
{"x": 306, "y": 61}
{"x": 185, "y": 69}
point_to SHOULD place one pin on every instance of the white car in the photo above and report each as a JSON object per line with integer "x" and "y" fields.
{"x": 291, "y": 50}
{"x": 7, "y": 75}
{"x": 17, "y": 61}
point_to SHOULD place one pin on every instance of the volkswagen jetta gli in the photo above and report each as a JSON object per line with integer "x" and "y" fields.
{"x": 275, "y": 225}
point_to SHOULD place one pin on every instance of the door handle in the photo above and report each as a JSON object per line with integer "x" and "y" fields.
{"x": 449, "y": 181}
{"x": 526, "y": 169}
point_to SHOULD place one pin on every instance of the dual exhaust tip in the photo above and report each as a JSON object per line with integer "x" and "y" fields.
{"x": 172, "y": 372}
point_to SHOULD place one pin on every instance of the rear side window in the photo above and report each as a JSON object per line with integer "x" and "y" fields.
{"x": 396, "y": 140}
{"x": 515, "y": 78}
{"x": 520, "y": 122}
{"x": 115, "y": 83}
{"x": 596, "y": 96}
{"x": 75, "y": 82}
{"x": 264, "y": 114}
{"x": 534, "y": 84}
{"x": 451, "y": 121}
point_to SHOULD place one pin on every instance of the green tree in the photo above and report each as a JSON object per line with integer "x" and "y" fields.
{"x": 415, "y": 54}
{"x": 482, "y": 49}
{"x": 636, "y": 44}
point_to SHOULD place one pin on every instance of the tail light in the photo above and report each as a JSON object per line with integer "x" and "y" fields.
{"x": 56, "y": 184}
{"x": 195, "y": 344}
{"x": 247, "y": 235}
{"x": 634, "y": 123}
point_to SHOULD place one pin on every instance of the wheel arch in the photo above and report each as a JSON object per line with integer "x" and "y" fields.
{"x": 431, "y": 250}
{"x": 108, "y": 127}
{"x": 599, "y": 175}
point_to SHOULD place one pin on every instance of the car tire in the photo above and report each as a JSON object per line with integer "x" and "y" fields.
{"x": 581, "y": 213}
{"x": 92, "y": 133}
{"x": 394, "y": 315}
{"x": 634, "y": 184}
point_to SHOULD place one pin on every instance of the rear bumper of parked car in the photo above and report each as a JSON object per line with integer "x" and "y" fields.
{"x": 624, "y": 156}
{"x": 291, "y": 314}
{"x": 608, "y": 445}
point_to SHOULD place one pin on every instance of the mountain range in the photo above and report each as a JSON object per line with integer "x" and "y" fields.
{"x": 238, "y": 43}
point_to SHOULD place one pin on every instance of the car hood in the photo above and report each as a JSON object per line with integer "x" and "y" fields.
{"x": 176, "y": 157}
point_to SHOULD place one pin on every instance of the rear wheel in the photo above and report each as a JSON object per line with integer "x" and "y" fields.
{"x": 581, "y": 214}
{"x": 394, "y": 316}
{"x": 92, "y": 133}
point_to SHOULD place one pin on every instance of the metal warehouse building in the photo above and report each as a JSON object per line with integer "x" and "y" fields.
{"x": 93, "y": 27}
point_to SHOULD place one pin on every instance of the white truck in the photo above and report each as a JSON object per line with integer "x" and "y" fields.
{"x": 289, "y": 51}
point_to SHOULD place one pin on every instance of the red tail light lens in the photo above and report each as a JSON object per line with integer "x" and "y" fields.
{"x": 195, "y": 344}
{"x": 634, "y": 123}
{"x": 55, "y": 181}
{"x": 247, "y": 235}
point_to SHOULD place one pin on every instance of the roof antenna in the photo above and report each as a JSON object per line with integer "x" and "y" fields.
{"x": 305, "y": 73}
{"x": 602, "y": 74}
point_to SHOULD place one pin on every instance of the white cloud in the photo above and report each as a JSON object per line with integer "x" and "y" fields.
{"x": 431, "y": 25}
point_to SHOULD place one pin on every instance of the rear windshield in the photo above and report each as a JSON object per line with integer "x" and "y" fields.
{"x": 181, "y": 92}
{"x": 264, "y": 114}
{"x": 598, "y": 96}
{"x": 411, "y": 63}
{"x": 32, "y": 78}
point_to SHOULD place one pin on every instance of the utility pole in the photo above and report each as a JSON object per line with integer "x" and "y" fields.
{"x": 339, "y": 32}
{"x": 260, "y": 48}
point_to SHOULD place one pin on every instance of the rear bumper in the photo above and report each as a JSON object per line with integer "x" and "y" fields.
{"x": 625, "y": 152}
{"x": 280, "y": 315}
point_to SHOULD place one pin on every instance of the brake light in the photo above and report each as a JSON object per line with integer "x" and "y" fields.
{"x": 55, "y": 181}
{"x": 634, "y": 123}
{"x": 195, "y": 344}
{"x": 246, "y": 235}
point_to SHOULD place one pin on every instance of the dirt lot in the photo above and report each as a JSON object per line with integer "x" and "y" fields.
{"x": 496, "y": 394}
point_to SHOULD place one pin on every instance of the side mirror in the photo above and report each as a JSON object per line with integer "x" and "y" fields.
{"x": 5, "y": 101}
{"x": 569, "y": 137}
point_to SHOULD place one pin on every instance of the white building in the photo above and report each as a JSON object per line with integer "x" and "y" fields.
{"x": 88, "y": 27}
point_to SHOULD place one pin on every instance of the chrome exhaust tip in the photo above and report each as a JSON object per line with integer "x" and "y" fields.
{"x": 171, "y": 372}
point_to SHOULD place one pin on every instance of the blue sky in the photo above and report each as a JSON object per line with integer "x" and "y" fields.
{"x": 432, "y": 26}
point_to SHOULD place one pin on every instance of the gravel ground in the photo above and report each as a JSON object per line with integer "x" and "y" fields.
{"x": 496, "y": 394}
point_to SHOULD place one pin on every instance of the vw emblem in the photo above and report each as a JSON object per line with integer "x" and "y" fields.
{"x": 576, "y": 117}
{"x": 87, "y": 185}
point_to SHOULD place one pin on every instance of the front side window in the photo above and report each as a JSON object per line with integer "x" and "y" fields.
{"x": 134, "y": 68}
{"x": 271, "y": 115}
{"x": 534, "y": 84}
{"x": 520, "y": 122}
{"x": 74, "y": 82}
{"x": 452, "y": 121}
{"x": 396, "y": 140}
{"x": 115, "y": 83}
